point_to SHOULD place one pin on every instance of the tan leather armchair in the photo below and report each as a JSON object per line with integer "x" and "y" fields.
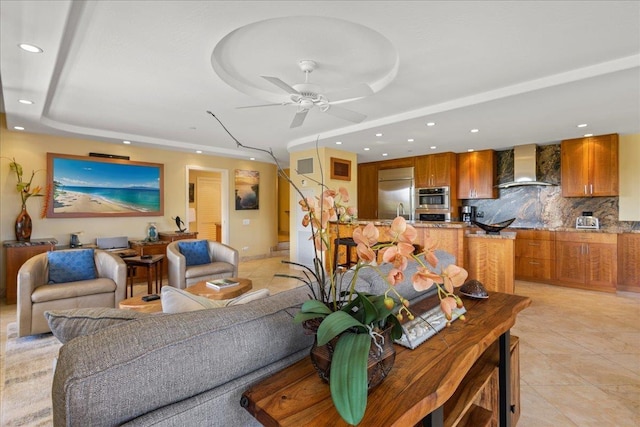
{"x": 224, "y": 263}
{"x": 36, "y": 295}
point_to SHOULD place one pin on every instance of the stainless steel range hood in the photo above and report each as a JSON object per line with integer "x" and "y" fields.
{"x": 524, "y": 167}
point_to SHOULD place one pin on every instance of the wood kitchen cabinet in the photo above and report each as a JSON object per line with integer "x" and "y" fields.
{"x": 587, "y": 260}
{"x": 477, "y": 175}
{"x": 629, "y": 262}
{"x": 589, "y": 166}
{"x": 535, "y": 255}
{"x": 436, "y": 170}
{"x": 368, "y": 190}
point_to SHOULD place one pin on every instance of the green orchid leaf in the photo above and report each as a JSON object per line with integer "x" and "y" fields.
{"x": 371, "y": 312}
{"x": 348, "y": 381}
{"x": 302, "y": 317}
{"x": 315, "y": 306}
{"x": 335, "y": 324}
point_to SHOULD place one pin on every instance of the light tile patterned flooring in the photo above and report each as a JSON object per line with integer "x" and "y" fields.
{"x": 579, "y": 350}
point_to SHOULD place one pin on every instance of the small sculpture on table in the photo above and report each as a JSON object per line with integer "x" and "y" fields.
{"x": 179, "y": 224}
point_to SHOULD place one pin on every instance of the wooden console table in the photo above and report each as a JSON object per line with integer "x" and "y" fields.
{"x": 429, "y": 385}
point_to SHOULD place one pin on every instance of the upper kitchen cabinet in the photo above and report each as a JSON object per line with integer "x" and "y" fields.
{"x": 477, "y": 175}
{"x": 590, "y": 166}
{"x": 435, "y": 170}
{"x": 368, "y": 190}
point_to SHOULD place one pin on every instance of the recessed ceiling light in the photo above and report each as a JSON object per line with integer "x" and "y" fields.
{"x": 470, "y": 150}
{"x": 30, "y": 48}
{"x": 433, "y": 147}
{"x": 199, "y": 151}
{"x": 18, "y": 128}
{"x": 410, "y": 140}
{"x": 25, "y": 101}
{"x": 378, "y": 134}
{"x": 338, "y": 142}
{"x": 588, "y": 135}
{"x": 475, "y": 130}
{"x": 431, "y": 124}
{"x": 126, "y": 142}
{"x": 367, "y": 148}
{"x": 385, "y": 154}
{"x": 582, "y": 125}
{"x": 252, "y": 158}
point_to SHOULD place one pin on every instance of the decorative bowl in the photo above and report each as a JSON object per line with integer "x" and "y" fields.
{"x": 474, "y": 289}
{"x": 494, "y": 228}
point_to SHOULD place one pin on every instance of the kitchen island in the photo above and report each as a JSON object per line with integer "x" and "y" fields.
{"x": 488, "y": 258}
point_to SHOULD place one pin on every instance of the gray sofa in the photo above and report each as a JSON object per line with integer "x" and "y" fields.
{"x": 187, "y": 369}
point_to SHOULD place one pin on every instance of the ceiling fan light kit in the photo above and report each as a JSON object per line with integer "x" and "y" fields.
{"x": 309, "y": 95}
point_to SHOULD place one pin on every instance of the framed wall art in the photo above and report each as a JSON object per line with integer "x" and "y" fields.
{"x": 79, "y": 186}
{"x": 247, "y": 185}
{"x": 340, "y": 169}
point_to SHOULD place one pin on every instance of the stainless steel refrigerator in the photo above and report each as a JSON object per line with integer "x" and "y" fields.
{"x": 395, "y": 193}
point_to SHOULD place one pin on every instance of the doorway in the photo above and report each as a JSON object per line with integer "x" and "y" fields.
{"x": 208, "y": 202}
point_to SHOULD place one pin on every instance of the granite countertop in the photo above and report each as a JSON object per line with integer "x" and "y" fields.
{"x": 484, "y": 235}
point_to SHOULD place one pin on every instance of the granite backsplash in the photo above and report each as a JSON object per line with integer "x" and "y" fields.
{"x": 544, "y": 207}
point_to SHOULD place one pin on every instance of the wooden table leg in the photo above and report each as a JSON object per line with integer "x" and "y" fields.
{"x": 504, "y": 380}
{"x": 149, "y": 280}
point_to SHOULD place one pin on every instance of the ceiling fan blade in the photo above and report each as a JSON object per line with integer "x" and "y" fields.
{"x": 282, "y": 85}
{"x": 298, "y": 119}
{"x": 345, "y": 114}
{"x": 359, "y": 91}
{"x": 265, "y": 105}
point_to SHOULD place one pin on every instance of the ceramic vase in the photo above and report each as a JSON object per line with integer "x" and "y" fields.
{"x": 23, "y": 226}
{"x": 152, "y": 232}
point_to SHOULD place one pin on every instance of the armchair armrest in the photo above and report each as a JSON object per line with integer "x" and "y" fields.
{"x": 33, "y": 273}
{"x": 112, "y": 267}
{"x": 222, "y": 252}
{"x": 177, "y": 265}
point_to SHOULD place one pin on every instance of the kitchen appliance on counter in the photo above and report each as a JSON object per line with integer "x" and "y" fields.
{"x": 587, "y": 221}
{"x": 395, "y": 193}
{"x": 468, "y": 214}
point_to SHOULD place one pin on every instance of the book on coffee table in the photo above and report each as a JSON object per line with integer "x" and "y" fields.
{"x": 221, "y": 283}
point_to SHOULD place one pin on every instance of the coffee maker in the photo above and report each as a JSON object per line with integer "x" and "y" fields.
{"x": 468, "y": 214}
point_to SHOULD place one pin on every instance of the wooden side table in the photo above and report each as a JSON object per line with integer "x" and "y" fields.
{"x": 155, "y": 262}
{"x": 429, "y": 386}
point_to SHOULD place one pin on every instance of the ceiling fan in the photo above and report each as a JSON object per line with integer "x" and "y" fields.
{"x": 306, "y": 96}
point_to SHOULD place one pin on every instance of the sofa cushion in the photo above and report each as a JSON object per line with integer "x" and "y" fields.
{"x": 249, "y": 296}
{"x": 195, "y": 253}
{"x": 176, "y": 300}
{"x": 72, "y": 290}
{"x": 68, "y": 324}
{"x": 71, "y": 266}
{"x": 208, "y": 270}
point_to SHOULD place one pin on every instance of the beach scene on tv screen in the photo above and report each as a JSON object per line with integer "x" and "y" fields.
{"x": 86, "y": 186}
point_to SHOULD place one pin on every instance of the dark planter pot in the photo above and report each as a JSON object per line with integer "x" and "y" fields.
{"x": 380, "y": 359}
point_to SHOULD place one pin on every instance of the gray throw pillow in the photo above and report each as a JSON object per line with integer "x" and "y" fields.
{"x": 68, "y": 324}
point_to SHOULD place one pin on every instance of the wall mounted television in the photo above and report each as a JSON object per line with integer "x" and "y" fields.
{"x": 79, "y": 186}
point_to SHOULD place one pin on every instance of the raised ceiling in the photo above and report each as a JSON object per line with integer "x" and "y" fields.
{"x": 520, "y": 72}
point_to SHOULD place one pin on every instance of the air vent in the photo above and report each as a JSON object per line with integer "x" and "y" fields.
{"x": 305, "y": 166}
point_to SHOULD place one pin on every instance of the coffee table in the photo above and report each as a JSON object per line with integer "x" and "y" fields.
{"x": 137, "y": 304}
{"x": 203, "y": 290}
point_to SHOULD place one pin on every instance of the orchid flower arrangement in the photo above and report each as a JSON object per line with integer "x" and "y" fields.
{"x": 24, "y": 187}
{"x": 358, "y": 318}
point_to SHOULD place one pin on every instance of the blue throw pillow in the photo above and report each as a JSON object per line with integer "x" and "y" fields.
{"x": 196, "y": 253}
{"x": 71, "y": 266}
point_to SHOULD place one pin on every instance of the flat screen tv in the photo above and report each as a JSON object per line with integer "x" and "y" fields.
{"x": 79, "y": 186}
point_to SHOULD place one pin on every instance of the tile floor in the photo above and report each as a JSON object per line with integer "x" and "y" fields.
{"x": 579, "y": 350}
